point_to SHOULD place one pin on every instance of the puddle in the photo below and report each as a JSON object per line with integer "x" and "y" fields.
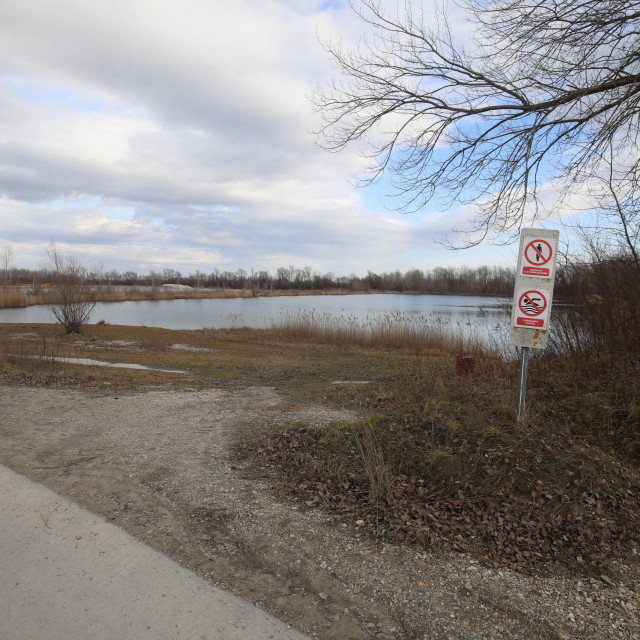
{"x": 190, "y": 347}
{"x": 102, "y": 363}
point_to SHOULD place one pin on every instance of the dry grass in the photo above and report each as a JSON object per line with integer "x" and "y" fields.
{"x": 385, "y": 331}
{"x": 34, "y": 356}
{"x": 302, "y": 371}
{"x": 372, "y": 457}
{"x": 16, "y": 297}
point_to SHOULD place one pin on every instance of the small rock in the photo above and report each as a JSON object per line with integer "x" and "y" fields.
{"x": 360, "y": 523}
{"x": 322, "y": 596}
{"x": 607, "y": 580}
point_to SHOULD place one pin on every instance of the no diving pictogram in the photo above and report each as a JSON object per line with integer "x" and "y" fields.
{"x": 532, "y": 303}
{"x": 531, "y": 307}
{"x": 538, "y": 252}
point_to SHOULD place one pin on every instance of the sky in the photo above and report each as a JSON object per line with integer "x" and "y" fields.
{"x": 145, "y": 134}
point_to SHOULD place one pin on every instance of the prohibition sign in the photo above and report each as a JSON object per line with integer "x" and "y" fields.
{"x": 536, "y": 251}
{"x": 532, "y": 303}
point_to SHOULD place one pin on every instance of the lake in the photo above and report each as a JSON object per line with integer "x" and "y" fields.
{"x": 476, "y": 311}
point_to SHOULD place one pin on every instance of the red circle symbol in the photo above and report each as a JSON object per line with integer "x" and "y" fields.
{"x": 532, "y": 303}
{"x": 537, "y": 252}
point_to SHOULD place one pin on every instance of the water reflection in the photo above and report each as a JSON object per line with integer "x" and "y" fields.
{"x": 263, "y": 312}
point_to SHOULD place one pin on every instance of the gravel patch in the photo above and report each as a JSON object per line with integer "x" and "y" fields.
{"x": 160, "y": 464}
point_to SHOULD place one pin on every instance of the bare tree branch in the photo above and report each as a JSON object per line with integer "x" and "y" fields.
{"x": 549, "y": 88}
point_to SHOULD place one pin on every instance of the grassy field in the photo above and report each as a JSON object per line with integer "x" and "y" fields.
{"x": 435, "y": 459}
{"x": 211, "y": 357}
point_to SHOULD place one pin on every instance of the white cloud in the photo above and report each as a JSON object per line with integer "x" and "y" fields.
{"x": 165, "y": 132}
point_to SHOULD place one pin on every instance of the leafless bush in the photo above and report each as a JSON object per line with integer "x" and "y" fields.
{"x": 75, "y": 299}
{"x": 606, "y": 313}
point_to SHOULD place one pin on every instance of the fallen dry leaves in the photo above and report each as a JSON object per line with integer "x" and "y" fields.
{"x": 509, "y": 528}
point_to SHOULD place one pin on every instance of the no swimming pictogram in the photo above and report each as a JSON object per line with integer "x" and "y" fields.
{"x": 532, "y": 309}
{"x": 532, "y": 303}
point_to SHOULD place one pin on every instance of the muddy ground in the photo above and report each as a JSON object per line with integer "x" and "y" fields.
{"x": 158, "y": 461}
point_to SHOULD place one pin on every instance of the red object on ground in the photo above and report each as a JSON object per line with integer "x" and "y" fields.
{"x": 464, "y": 365}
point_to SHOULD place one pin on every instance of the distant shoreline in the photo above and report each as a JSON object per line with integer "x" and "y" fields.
{"x": 18, "y": 297}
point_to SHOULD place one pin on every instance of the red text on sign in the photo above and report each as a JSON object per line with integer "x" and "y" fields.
{"x": 530, "y": 322}
{"x": 536, "y": 271}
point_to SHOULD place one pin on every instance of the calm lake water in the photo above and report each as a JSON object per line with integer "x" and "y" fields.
{"x": 470, "y": 311}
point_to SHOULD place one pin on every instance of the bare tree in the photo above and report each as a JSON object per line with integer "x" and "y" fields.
{"x": 6, "y": 262}
{"x": 75, "y": 299}
{"x": 615, "y": 229}
{"x": 199, "y": 278}
{"x": 545, "y": 90}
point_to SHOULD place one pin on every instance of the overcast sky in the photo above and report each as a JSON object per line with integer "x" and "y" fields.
{"x": 144, "y": 134}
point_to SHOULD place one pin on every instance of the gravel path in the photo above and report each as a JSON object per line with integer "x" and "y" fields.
{"x": 159, "y": 465}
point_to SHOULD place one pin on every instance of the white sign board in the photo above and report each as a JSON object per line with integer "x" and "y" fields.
{"x": 532, "y": 307}
{"x": 533, "y": 291}
{"x": 538, "y": 256}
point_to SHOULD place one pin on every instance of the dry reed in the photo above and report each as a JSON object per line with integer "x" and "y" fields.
{"x": 16, "y": 297}
{"x": 391, "y": 330}
{"x": 264, "y": 293}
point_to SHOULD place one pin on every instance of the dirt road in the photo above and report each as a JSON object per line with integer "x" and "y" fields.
{"x": 158, "y": 463}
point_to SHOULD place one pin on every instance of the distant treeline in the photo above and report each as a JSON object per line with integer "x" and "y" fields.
{"x": 482, "y": 280}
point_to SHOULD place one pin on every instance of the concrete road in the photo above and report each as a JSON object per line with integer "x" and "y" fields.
{"x": 67, "y": 573}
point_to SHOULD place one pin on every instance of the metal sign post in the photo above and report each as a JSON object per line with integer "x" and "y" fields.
{"x": 532, "y": 296}
{"x": 522, "y": 395}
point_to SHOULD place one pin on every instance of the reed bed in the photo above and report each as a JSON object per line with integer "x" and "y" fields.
{"x": 264, "y": 293}
{"x": 16, "y": 297}
{"x": 391, "y": 330}
{"x": 12, "y": 297}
